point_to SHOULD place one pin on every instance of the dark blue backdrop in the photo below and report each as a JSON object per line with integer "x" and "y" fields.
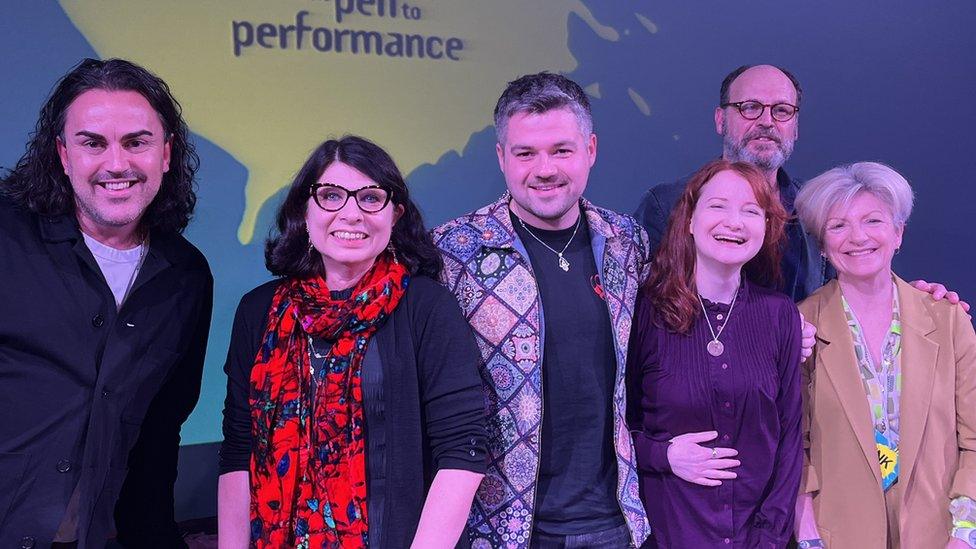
{"x": 891, "y": 81}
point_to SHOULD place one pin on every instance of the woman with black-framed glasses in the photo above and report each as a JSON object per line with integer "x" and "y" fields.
{"x": 354, "y": 413}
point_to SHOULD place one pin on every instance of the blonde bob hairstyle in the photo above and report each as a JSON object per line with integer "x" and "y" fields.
{"x": 838, "y": 186}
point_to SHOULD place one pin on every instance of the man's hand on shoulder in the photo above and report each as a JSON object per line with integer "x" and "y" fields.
{"x": 808, "y": 337}
{"x": 940, "y": 292}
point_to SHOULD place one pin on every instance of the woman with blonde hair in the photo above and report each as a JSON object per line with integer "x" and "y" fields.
{"x": 890, "y": 456}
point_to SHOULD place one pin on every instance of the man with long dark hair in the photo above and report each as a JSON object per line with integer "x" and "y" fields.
{"x": 107, "y": 311}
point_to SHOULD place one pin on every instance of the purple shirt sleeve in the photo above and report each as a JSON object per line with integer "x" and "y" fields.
{"x": 651, "y": 454}
{"x": 777, "y": 510}
{"x": 749, "y": 394}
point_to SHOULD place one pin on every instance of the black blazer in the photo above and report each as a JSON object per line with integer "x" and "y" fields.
{"x": 77, "y": 376}
{"x": 423, "y": 401}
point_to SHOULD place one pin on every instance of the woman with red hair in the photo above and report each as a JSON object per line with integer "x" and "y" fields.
{"x": 714, "y": 370}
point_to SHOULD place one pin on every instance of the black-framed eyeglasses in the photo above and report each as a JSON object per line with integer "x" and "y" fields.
{"x": 751, "y": 110}
{"x": 332, "y": 198}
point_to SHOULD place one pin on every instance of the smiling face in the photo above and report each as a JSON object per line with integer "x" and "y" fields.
{"x": 861, "y": 237}
{"x": 765, "y": 142}
{"x": 349, "y": 239}
{"x": 546, "y": 161}
{"x": 114, "y": 151}
{"x": 728, "y": 225}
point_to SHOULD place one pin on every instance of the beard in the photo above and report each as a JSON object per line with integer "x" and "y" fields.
{"x": 551, "y": 210}
{"x": 768, "y": 159}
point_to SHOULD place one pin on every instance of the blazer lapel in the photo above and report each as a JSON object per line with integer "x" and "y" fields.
{"x": 838, "y": 361}
{"x": 919, "y": 356}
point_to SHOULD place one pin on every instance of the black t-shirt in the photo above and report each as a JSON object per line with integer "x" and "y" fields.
{"x": 577, "y": 471}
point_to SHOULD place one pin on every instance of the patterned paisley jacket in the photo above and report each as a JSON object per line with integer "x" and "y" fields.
{"x": 487, "y": 268}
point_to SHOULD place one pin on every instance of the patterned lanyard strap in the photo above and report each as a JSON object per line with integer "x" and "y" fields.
{"x": 882, "y": 383}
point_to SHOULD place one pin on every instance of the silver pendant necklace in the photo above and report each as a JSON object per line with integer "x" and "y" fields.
{"x": 562, "y": 261}
{"x": 715, "y": 347}
{"x": 313, "y": 352}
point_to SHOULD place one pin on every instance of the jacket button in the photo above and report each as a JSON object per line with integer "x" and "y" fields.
{"x": 98, "y": 320}
{"x": 64, "y": 466}
{"x": 27, "y": 542}
{"x": 105, "y": 393}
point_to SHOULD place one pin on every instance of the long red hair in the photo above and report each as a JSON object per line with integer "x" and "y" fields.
{"x": 671, "y": 286}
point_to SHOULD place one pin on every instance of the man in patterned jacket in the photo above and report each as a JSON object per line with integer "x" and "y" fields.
{"x": 548, "y": 282}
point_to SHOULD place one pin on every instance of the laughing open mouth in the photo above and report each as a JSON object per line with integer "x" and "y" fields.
{"x": 729, "y": 238}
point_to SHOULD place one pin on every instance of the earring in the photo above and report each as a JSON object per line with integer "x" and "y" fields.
{"x": 309, "y": 236}
{"x": 390, "y": 248}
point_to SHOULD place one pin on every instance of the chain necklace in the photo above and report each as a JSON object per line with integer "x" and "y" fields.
{"x": 715, "y": 347}
{"x": 135, "y": 272}
{"x": 562, "y": 262}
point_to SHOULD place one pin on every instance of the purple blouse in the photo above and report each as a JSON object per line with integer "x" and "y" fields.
{"x": 750, "y": 395}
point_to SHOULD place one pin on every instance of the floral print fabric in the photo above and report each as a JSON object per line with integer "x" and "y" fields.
{"x": 308, "y": 471}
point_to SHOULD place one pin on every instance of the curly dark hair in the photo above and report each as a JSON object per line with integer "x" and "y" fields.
{"x": 287, "y": 253}
{"x": 38, "y": 182}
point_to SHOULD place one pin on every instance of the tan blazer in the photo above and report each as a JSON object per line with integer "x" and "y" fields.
{"x": 937, "y": 427}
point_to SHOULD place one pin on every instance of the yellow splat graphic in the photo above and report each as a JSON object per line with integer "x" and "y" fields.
{"x": 269, "y": 106}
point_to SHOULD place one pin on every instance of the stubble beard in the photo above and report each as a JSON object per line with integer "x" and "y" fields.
{"x": 738, "y": 151}
{"x": 549, "y": 212}
{"x": 106, "y": 213}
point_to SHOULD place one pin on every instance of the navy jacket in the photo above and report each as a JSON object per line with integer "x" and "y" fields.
{"x": 77, "y": 376}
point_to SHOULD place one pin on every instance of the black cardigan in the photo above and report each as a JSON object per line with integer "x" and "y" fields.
{"x": 428, "y": 408}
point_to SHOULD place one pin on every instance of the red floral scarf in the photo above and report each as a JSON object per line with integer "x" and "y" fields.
{"x": 308, "y": 461}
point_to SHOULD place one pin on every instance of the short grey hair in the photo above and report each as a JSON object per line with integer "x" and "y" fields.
{"x": 839, "y": 186}
{"x": 540, "y": 93}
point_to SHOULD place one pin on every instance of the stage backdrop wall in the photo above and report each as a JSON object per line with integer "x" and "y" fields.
{"x": 263, "y": 82}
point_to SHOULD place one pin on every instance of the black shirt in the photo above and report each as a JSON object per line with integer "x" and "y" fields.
{"x": 577, "y": 469}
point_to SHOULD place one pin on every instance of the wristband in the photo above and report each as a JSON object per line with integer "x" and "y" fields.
{"x": 966, "y": 535}
{"x": 808, "y": 543}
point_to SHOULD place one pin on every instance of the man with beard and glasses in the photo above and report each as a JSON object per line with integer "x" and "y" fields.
{"x": 548, "y": 281}
{"x": 758, "y": 117}
{"x": 107, "y": 311}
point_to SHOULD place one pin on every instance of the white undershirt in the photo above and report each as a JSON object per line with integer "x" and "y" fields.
{"x": 119, "y": 267}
